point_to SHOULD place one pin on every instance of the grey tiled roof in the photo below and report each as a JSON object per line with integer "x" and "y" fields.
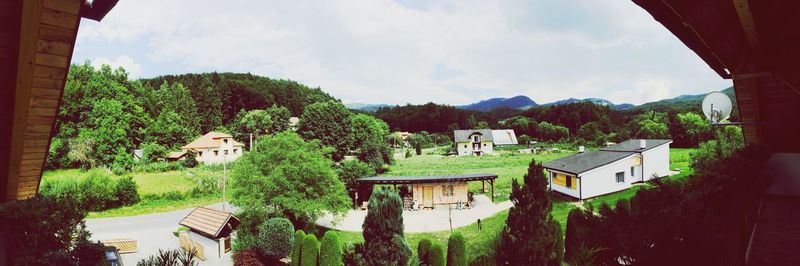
{"x": 582, "y": 162}
{"x": 462, "y": 135}
{"x": 633, "y": 145}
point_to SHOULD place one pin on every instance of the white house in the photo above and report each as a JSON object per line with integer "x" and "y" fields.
{"x": 212, "y": 148}
{"x": 593, "y": 173}
{"x": 504, "y": 137}
{"x": 474, "y": 141}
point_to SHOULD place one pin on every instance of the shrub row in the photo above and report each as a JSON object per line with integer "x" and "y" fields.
{"x": 97, "y": 192}
{"x": 159, "y": 167}
{"x": 433, "y": 254}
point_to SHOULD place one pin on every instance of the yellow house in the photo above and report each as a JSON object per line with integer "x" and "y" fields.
{"x": 435, "y": 191}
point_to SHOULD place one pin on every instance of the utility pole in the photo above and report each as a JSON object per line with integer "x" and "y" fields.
{"x": 224, "y": 179}
{"x": 251, "y": 141}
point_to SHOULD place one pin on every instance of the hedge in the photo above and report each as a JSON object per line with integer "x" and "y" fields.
{"x": 330, "y": 253}
{"x": 310, "y": 251}
{"x": 456, "y": 250}
{"x": 299, "y": 236}
{"x": 436, "y": 255}
{"x": 423, "y": 248}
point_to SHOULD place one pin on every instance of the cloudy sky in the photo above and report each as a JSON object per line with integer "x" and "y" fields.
{"x": 396, "y": 52}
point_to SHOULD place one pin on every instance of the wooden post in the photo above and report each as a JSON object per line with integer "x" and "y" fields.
{"x": 491, "y": 182}
{"x": 483, "y": 186}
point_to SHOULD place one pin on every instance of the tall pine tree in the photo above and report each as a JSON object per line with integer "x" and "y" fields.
{"x": 383, "y": 230}
{"x": 531, "y": 236}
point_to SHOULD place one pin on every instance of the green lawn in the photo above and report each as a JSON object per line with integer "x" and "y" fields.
{"x": 149, "y": 183}
{"x": 506, "y": 166}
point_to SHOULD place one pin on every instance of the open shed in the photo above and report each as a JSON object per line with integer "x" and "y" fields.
{"x": 430, "y": 191}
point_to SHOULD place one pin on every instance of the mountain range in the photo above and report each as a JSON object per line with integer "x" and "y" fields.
{"x": 522, "y": 102}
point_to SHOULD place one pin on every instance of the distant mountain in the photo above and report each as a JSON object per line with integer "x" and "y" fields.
{"x": 598, "y": 101}
{"x": 684, "y": 101}
{"x": 366, "y": 106}
{"x": 516, "y": 102}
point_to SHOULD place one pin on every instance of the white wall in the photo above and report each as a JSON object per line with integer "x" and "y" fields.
{"x": 486, "y": 148}
{"x": 656, "y": 161}
{"x": 603, "y": 180}
{"x": 208, "y": 156}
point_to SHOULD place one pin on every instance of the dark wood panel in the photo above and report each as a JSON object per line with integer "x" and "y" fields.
{"x": 59, "y": 19}
{"x": 46, "y": 93}
{"x": 52, "y": 33}
{"x": 66, "y": 6}
{"x": 54, "y": 47}
{"x": 49, "y": 72}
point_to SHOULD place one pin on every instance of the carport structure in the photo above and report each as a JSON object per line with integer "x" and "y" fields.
{"x": 430, "y": 191}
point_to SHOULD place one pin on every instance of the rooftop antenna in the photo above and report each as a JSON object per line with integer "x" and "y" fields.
{"x": 717, "y": 107}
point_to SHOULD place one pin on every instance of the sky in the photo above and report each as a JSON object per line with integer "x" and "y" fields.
{"x": 416, "y": 51}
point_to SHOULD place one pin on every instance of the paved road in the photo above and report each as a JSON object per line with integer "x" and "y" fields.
{"x": 152, "y": 232}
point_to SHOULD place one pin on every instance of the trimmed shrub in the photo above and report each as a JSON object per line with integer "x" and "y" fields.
{"x": 310, "y": 251}
{"x": 297, "y": 247}
{"x": 423, "y": 248}
{"x": 126, "y": 191}
{"x": 275, "y": 238}
{"x": 456, "y": 250}
{"x": 384, "y": 243}
{"x": 436, "y": 255}
{"x": 330, "y": 252}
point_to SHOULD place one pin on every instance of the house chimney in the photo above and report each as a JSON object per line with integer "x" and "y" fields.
{"x": 581, "y": 149}
{"x": 642, "y": 144}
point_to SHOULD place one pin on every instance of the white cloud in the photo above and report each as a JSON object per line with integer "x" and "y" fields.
{"x": 446, "y": 51}
{"x": 123, "y": 61}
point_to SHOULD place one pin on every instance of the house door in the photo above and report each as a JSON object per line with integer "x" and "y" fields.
{"x": 427, "y": 196}
{"x": 476, "y": 146}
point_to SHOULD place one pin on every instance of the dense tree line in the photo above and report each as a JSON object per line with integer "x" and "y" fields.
{"x": 432, "y": 118}
{"x": 104, "y": 115}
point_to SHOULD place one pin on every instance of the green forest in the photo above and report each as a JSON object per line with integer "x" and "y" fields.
{"x": 105, "y": 115}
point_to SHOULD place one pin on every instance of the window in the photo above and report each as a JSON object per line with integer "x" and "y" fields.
{"x": 476, "y": 138}
{"x": 621, "y": 177}
{"x": 447, "y": 190}
{"x": 226, "y": 152}
{"x": 632, "y": 171}
{"x": 569, "y": 182}
{"x": 235, "y": 150}
{"x": 465, "y": 146}
{"x": 216, "y": 153}
{"x": 201, "y": 153}
{"x": 225, "y": 140}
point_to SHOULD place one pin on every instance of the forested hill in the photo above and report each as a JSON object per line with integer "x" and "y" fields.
{"x": 431, "y": 117}
{"x": 684, "y": 102}
{"x": 219, "y": 96}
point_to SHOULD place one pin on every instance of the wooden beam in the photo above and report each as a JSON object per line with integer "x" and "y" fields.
{"x": 699, "y": 37}
{"x": 746, "y": 17}
{"x": 28, "y": 38}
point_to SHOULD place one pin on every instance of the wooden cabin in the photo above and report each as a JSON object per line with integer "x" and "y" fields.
{"x": 434, "y": 191}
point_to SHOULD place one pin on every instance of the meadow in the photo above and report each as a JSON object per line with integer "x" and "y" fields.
{"x": 159, "y": 191}
{"x": 507, "y": 166}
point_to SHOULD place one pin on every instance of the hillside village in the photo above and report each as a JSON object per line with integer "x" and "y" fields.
{"x": 227, "y": 168}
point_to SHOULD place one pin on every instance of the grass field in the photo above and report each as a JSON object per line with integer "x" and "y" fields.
{"x": 507, "y": 167}
{"x": 149, "y": 184}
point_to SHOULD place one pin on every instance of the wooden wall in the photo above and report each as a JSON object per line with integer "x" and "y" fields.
{"x": 770, "y": 109}
{"x": 46, "y": 38}
{"x": 9, "y": 33}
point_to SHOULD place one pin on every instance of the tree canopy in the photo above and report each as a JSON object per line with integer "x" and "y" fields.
{"x": 328, "y": 122}
{"x": 290, "y": 174}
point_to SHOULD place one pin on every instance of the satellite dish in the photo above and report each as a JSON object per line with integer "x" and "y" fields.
{"x": 717, "y": 107}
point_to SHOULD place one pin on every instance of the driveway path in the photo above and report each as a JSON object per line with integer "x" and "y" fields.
{"x": 423, "y": 221}
{"x": 152, "y": 232}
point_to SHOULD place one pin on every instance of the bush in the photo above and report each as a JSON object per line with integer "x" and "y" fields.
{"x": 191, "y": 161}
{"x": 483, "y": 260}
{"x": 156, "y": 167}
{"x": 247, "y": 257}
{"x": 408, "y": 153}
{"x": 126, "y": 191}
{"x": 353, "y": 254}
{"x": 436, "y": 255}
{"x": 275, "y": 237}
{"x": 456, "y": 250}
{"x": 330, "y": 252}
{"x": 310, "y": 251}
{"x": 178, "y": 231}
{"x": 297, "y": 247}
{"x": 97, "y": 191}
{"x": 174, "y": 257}
{"x": 383, "y": 230}
{"x": 423, "y": 248}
